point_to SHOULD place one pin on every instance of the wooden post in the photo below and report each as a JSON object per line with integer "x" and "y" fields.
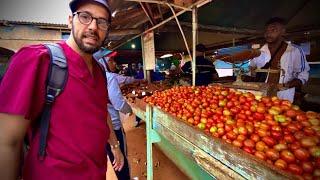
{"x": 194, "y": 43}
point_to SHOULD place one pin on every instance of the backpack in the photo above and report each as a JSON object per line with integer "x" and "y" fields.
{"x": 55, "y": 83}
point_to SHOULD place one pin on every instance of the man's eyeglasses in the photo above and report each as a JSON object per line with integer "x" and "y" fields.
{"x": 86, "y": 18}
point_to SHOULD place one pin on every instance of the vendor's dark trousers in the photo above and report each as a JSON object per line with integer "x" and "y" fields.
{"x": 138, "y": 121}
{"x": 124, "y": 174}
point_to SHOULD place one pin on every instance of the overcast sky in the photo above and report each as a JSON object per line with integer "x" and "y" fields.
{"x": 48, "y": 11}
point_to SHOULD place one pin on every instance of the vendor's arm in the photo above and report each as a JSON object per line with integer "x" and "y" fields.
{"x": 300, "y": 69}
{"x": 125, "y": 79}
{"x": 115, "y": 95}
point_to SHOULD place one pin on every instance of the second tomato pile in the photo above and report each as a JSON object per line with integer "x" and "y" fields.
{"x": 271, "y": 129}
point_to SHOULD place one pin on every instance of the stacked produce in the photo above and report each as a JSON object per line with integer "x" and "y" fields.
{"x": 142, "y": 89}
{"x": 271, "y": 129}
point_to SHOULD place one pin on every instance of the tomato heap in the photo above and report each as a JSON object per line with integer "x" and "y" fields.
{"x": 271, "y": 129}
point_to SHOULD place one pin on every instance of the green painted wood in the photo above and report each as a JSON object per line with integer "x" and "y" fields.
{"x": 149, "y": 143}
{"x": 186, "y": 164}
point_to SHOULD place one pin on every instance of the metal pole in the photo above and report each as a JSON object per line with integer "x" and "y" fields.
{"x": 182, "y": 33}
{"x": 194, "y": 42}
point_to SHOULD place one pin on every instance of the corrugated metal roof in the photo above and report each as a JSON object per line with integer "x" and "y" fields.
{"x": 5, "y": 22}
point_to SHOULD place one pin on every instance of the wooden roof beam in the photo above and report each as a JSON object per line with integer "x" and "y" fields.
{"x": 125, "y": 32}
{"x": 212, "y": 28}
{"x": 148, "y": 14}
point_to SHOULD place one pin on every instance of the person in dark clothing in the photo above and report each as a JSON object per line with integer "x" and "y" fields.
{"x": 205, "y": 70}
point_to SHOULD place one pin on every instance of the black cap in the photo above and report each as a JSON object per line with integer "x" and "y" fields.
{"x": 74, "y": 5}
{"x": 201, "y": 48}
{"x": 276, "y": 20}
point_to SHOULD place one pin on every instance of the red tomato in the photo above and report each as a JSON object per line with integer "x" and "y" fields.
{"x": 237, "y": 143}
{"x": 264, "y": 126}
{"x": 272, "y": 154}
{"x": 265, "y": 100}
{"x": 292, "y": 128}
{"x": 215, "y": 134}
{"x": 250, "y": 128}
{"x": 281, "y": 164}
{"x": 248, "y": 149}
{"x": 269, "y": 141}
{"x": 236, "y": 131}
{"x": 301, "y": 154}
{"x": 294, "y": 168}
{"x": 315, "y": 151}
{"x": 279, "y": 147}
{"x": 276, "y": 128}
{"x": 299, "y": 135}
{"x": 316, "y": 173}
{"x": 307, "y": 176}
{"x": 228, "y": 127}
{"x": 268, "y": 117}
{"x": 305, "y": 123}
{"x": 289, "y": 138}
{"x": 307, "y": 167}
{"x": 295, "y": 145}
{"x": 249, "y": 143}
{"x": 243, "y": 130}
{"x": 220, "y": 125}
{"x": 255, "y": 137}
{"x": 261, "y": 146}
{"x": 262, "y": 132}
{"x": 231, "y": 135}
{"x": 220, "y": 131}
{"x": 261, "y": 109}
{"x": 291, "y": 113}
{"x": 224, "y": 137}
{"x": 248, "y": 113}
{"x": 234, "y": 110}
{"x": 308, "y": 131}
{"x": 308, "y": 142}
{"x": 241, "y": 116}
{"x": 241, "y": 137}
{"x": 287, "y": 156}
{"x": 260, "y": 155}
{"x": 301, "y": 117}
{"x": 258, "y": 116}
{"x": 276, "y": 135}
{"x": 317, "y": 162}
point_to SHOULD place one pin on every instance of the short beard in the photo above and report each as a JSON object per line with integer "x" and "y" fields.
{"x": 82, "y": 47}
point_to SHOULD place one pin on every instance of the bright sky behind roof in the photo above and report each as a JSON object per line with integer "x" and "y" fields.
{"x": 45, "y": 11}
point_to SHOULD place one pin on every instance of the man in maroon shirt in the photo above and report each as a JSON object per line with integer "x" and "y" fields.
{"x": 79, "y": 122}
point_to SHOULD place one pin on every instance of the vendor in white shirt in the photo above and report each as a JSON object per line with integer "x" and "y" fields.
{"x": 278, "y": 54}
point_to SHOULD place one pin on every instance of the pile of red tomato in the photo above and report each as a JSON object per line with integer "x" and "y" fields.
{"x": 271, "y": 129}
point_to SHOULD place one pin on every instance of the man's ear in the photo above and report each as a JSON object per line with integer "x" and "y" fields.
{"x": 70, "y": 18}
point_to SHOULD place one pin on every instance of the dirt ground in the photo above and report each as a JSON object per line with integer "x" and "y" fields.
{"x": 163, "y": 168}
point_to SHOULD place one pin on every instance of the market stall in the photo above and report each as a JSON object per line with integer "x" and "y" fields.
{"x": 239, "y": 137}
{"x": 203, "y": 152}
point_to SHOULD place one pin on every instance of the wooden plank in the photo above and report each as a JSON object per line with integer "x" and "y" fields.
{"x": 186, "y": 164}
{"x": 139, "y": 108}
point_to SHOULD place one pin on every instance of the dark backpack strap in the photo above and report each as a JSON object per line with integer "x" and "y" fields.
{"x": 56, "y": 80}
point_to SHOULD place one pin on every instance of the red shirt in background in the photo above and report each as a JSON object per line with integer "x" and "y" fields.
{"x": 78, "y": 129}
